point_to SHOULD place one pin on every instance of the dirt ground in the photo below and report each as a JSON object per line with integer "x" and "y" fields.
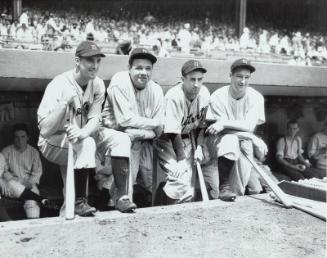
{"x": 250, "y": 227}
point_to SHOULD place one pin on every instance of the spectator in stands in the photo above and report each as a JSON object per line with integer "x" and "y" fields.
{"x": 289, "y": 154}
{"x": 149, "y": 18}
{"x": 124, "y": 47}
{"x": 296, "y": 60}
{"x": 13, "y": 29}
{"x": 23, "y": 19}
{"x": 22, "y": 172}
{"x": 263, "y": 46}
{"x": 205, "y": 35}
{"x": 184, "y": 37}
{"x": 3, "y": 30}
{"x": 274, "y": 41}
{"x": 245, "y": 39}
{"x": 317, "y": 150}
{"x": 24, "y": 34}
{"x": 284, "y": 46}
{"x": 160, "y": 51}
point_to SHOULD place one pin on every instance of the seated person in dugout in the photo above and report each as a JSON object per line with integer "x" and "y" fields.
{"x": 4, "y": 191}
{"x": 289, "y": 155}
{"x": 135, "y": 106}
{"x": 20, "y": 173}
{"x": 81, "y": 90}
{"x": 317, "y": 151}
{"x": 185, "y": 108}
{"x": 234, "y": 112}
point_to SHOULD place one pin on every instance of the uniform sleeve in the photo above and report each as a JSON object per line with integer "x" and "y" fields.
{"x": 174, "y": 112}
{"x": 96, "y": 107}
{"x": 158, "y": 111}
{"x": 280, "y": 148}
{"x": 7, "y": 174}
{"x": 52, "y": 110}
{"x": 36, "y": 171}
{"x": 256, "y": 113}
{"x": 124, "y": 115}
{"x": 50, "y": 99}
{"x": 216, "y": 110}
{"x": 107, "y": 118}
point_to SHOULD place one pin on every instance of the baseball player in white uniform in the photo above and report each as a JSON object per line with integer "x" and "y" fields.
{"x": 135, "y": 106}
{"x": 83, "y": 91}
{"x": 185, "y": 108}
{"x": 239, "y": 108}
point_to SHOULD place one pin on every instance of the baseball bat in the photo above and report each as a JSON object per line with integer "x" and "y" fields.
{"x": 274, "y": 187}
{"x": 204, "y": 193}
{"x": 70, "y": 180}
{"x": 286, "y": 200}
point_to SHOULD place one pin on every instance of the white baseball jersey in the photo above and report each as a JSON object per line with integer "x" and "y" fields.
{"x": 128, "y": 107}
{"x": 91, "y": 99}
{"x": 61, "y": 88}
{"x": 182, "y": 115}
{"x": 250, "y": 108}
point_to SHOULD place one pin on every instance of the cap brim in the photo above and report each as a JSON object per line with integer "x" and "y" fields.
{"x": 250, "y": 67}
{"x": 195, "y": 69}
{"x": 148, "y": 56}
{"x": 95, "y": 53}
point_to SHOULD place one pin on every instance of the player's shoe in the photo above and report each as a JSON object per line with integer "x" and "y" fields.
{"x": 49, "y": 204}
{"x": 226, "y": 194}
{"x": 124, "y": 204}
{"x": 187, "y": 197}
{"x": 83, "y": 209}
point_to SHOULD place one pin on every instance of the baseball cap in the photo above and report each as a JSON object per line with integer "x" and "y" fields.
{"x": 192, "y": 65}
{"x": 242, "y": 62}
{"x": 88, "y": 48}
{"x": 141, "y": 53}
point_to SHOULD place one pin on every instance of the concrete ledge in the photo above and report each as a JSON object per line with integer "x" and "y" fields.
{"x": 250, "y": 227}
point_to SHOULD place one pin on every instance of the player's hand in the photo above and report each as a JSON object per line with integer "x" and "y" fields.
{"x": 300, "y": 167}
{"x": 182, "y": 167}
{"x": 71, "y": 98}
{"x": 4, "y": 189}
{"x": 134, "y": 134}
{"x": 74, "y": 133}
{"x": 215, "y": 128}
{"x": 198, "y": 154}
{"x": 158, "y": 131}
{"x": 307, "y": 163}
{"x": 175, "y": 169}
{"x": 26, "y": 183}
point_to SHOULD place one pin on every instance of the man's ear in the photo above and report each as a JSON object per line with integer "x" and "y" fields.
{"x": 77, "y": 60}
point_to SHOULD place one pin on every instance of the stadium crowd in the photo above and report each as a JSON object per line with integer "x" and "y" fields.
{"x": 62, "y": 30}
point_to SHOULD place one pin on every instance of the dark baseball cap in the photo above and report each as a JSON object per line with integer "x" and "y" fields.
{"x": 88, "y": 48}
{"x": 141, "y": 53}
{"x": 192, "y": 65}
{"x": 242, "y": 62}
